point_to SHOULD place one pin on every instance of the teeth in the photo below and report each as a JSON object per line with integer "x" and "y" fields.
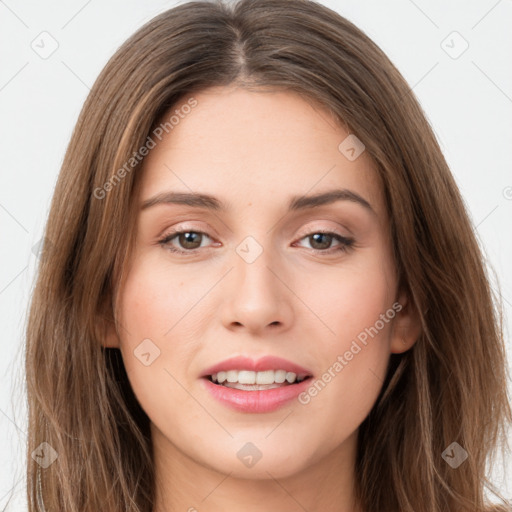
{"x": 248, "y": 377}
{"x": 232, "y": 376}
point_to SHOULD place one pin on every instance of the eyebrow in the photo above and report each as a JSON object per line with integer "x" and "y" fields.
{"x": 296, "y": 203}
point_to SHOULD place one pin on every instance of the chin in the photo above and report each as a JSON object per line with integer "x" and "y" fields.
{"x": 259, "y": 459}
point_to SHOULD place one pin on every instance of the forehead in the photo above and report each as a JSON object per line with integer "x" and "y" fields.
{"x": 262, "y": 146}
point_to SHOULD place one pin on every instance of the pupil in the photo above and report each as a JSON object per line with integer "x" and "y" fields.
{"x": 187, "y": 238}
{"x": 318, "y": 236}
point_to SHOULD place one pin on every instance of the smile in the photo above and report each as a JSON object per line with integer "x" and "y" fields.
{"x": 254, "y": 381}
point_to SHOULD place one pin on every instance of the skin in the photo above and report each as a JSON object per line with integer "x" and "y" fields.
{"x": 253, "y": 151}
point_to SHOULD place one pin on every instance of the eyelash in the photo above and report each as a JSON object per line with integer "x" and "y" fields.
{"x": 345, "y": 243}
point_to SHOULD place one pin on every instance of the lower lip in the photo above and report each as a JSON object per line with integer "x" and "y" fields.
{"x": 266, "y": 400}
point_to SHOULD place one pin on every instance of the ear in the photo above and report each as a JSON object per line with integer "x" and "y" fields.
{"x": 110, "y": 338}
{"x": 106, "y": 332}
{"x": 406, "y": 326}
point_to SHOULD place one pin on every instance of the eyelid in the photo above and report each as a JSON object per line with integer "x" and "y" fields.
{"x": 311, "y": 230}
{"x": 187, "y": 226}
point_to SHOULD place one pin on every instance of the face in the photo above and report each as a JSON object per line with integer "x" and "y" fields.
{"x": 259, "y": 270}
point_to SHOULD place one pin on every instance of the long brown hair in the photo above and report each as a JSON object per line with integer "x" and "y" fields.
{"x": 450, "y": 387}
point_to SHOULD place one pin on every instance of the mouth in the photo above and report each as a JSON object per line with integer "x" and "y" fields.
{"x": 255, "y": 398}
{"x": 247, "y": 380}
{"x": 255, "y": 386}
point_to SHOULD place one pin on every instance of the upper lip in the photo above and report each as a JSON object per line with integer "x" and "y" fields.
{"x": 259, "y": 365}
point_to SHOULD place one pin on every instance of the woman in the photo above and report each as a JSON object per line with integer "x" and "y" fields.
{"x": 331, "y": 343}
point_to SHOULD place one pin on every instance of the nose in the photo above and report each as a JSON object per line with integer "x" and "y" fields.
{"x": 257, "y": 297}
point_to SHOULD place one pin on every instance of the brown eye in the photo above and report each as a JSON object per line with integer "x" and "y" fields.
{"x": 190, "y": 240}
{"x": 321, "y": 241}
{"x": 184, "y": 241}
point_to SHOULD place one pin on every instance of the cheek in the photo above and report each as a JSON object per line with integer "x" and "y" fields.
{"x": 357, "y": 308}
{"x": 352, "y": 298}
{"x": 155, "y": 301}
{"x": 153, "y": 309}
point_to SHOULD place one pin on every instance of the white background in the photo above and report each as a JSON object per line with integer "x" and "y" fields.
{"x": 468, "y": 101}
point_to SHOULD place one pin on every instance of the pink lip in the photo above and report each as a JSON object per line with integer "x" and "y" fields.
{"x": 262, "y": 364}
{"x": 260, "y": 401}
{"x": 267, "y": 400}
